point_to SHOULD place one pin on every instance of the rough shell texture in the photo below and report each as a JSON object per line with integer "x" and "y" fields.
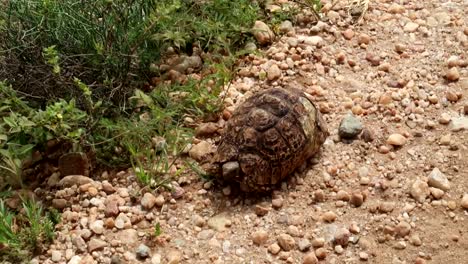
{"x": 268, "y": 137}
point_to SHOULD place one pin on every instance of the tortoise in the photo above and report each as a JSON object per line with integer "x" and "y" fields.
{"x": 267, "y": 138}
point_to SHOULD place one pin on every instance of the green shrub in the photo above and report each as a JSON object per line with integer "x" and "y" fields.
{"x": 77, "y": 62}
{"x": 121, "y": 140}
{"x": 23, "y": 128}
{"x": 108, "y": 44}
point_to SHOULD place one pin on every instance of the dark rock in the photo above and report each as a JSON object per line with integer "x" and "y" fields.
{"x": 75, "y": 163}
{"x": 59, "y": 203}
{"x": 350, "y": 127}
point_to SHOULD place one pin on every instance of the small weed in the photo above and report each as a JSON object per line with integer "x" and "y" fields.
{"x": 11, "y": 165}
{"x": 25, "y": 233}
{"x": 199, "y": 171}
{"x": 315, "y": 4}
{"x": 157, "y": 230}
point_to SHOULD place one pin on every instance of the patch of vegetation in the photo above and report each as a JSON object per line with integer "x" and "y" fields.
{"x": 82, "y": 72}
{"x": 157, "y": 230}
{"x": 75, "y": 71}
{"x": 109, "y": 44}
{"x": 24, "y": 128}
{"x": 26, "y": 231}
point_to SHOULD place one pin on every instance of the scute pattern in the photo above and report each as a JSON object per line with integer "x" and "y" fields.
{"x": 265, "y": 135}
{"x": 273, "y": 145}
{"x": 262, "y": 119}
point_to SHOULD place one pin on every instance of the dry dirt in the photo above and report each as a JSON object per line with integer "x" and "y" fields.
{"x": 402, "y": 71}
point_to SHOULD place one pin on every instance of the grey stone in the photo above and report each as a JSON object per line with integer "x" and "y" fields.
{"x": 350, "y": 127}
{"x": 286, "y": 26}
{"x": 438, "y": 180}
{"x": 143, "y": 251}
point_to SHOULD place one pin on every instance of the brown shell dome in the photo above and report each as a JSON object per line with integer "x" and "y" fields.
{"x": 268, "y": 136}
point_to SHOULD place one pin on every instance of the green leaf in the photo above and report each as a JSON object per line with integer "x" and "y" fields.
{"x": 9, "y": 121}
{"x": 23, "y": 150}
{"x": 144, "y": 97}
{"x": 25, "y": 122}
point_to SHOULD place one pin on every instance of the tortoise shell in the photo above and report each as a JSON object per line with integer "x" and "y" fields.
{"x": 268, "y": 136}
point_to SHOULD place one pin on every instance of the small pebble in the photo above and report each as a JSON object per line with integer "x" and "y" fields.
{"x": 286, "y": 242}
{"x": 437, "y": 179}
{"x": 342, "y": 236}
{"x": 415, "y": 240}
{"x": 386, "y": 207}
{"x": 142, "y": 251}
{"x": 445, "y": 119}
{"x": 436, "y": 193}
{"x": 452, "y": 74}
{"x": 260, "y": 237}
{"x": 56, "y": 256}
{"x": 451, "y": 96}
{"x": 310, "y": 258}
{"x": 356, "y": 199}
{"x": 396, "y": 140}
{"x": 363, "y": 256}
{"x": 363, "y": 39}
{"x": 400, "y": 245}
{"x": 400, "y": 48}
{"x": 304, "y": 244}
{"x": 452, "y": 205}
{"x": 348, "y": 34}
{"x": 277, "y": 203}
{"x": 419, "y": 260}
{"x": 261, "y": 210}
{"x": 321, "y": 253}
{"x": 318, "y": 242}
{"x": 403, "y": 229}
{"x": 160, "y": 200}
{"x": 411, "y": 27}
{"x": 464, "y": 201}
{"x": 343, "y": 196}
{"x": 419, "y": 190}
{"x": 339, "y": 249}
{"x": 329, "y": 216}
{"x": 274, "y": 249}
{"x": 445, "y": 140}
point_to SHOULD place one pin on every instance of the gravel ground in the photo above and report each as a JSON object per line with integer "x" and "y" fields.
{"x": 397, "y": 193}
